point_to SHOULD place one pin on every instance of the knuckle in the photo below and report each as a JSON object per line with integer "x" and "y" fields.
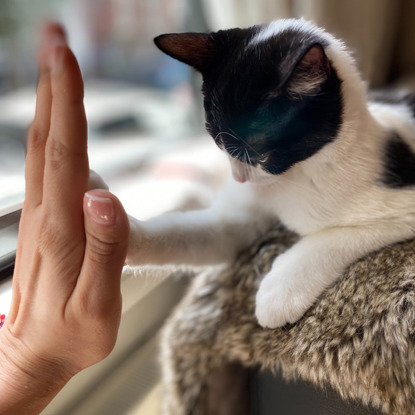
{"x": 49, "y": 240}
{"x": 57, "y": 240}
{"x": 36, "y": 139}
{"x": 58, "y": 152}
{"x": 100, "y": 251}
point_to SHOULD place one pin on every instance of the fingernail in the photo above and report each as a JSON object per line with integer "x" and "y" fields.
{"x": 100, "y": 209}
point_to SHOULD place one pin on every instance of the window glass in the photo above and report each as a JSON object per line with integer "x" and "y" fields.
{"x": 139, "y": 102}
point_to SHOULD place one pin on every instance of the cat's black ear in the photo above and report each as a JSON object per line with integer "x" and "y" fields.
{"x": 311, "y": 71}
{"x": 194, "y": 49}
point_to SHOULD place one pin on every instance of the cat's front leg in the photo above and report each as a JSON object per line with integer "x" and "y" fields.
{"x": 301, "y": 274}
{"x": 202, "y": 237}
{"x": 297, "y": 277}
{"x": 195, "y": 238}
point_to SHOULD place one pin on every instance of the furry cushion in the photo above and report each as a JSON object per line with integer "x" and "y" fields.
{"x": 359, "y": 337}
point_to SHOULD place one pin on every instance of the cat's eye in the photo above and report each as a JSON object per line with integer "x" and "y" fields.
{"x": 264, "y": 158}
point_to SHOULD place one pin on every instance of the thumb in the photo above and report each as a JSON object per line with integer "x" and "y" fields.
{"x": 106, "y": 229}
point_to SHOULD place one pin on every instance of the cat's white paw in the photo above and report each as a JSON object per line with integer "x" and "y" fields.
{"x": 139, "y": 244}
{"x": 285, "y": 293}
{"x": 278, "y": 305}
{"x": 96, "y": 181}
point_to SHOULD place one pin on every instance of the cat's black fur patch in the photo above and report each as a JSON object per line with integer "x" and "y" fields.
{"x": 261, "y": 106}
{"x": 394, "y": 98}
{"x": 399, "y": 163}
{"x": 239, "y": 114}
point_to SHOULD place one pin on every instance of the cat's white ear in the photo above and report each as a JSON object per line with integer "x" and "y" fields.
{"x": 309, "y": 73}
{"x": 194, "y": 49}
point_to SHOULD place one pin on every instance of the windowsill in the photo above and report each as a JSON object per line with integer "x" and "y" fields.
{"x": 5, "y": 296}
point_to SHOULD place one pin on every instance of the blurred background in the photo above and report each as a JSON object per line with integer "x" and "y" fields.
{"x": 146, "y": 135}
{"x": 141, "y": 103}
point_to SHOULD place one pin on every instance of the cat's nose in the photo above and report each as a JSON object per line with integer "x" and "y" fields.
{"x": 239, "y": 171}
{"x": 239, "y": 177}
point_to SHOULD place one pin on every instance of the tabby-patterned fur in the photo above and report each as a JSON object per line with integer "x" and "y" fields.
{"x": 359, "y": 337}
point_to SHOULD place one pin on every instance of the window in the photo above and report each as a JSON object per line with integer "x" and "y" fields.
{"x": 133, "y": 93}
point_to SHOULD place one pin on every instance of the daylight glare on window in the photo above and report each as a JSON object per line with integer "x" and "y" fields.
{"x": 138, "y": 101}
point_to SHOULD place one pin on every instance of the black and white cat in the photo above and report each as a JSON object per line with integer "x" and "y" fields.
{"x": 286, "y": 103}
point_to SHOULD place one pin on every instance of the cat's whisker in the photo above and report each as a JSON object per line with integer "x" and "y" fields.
{"x": 245, "y": 143}
{"x": 236, "y": 153}
{"x": 248, "y": 157}
{"x": 236, "y": 136}
{"x": 233, "y": 150}
{"x": 217, "y": 135}
{"x": 239, "y": 154}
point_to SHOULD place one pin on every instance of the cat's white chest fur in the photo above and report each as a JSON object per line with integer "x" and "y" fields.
{"x": 294, "y": 206}
{"x": 293, "y": 197}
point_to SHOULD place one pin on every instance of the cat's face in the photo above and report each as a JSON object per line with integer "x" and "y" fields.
{"x": 272, "y": 98}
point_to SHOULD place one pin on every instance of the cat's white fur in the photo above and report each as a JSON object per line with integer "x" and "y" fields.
{"x": 333, "y": 200}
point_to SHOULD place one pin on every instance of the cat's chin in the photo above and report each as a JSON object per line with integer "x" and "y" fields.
{"x": 259, "y": 181}
{"x": 255, "y": 180}
{"x": 252, "y": 175}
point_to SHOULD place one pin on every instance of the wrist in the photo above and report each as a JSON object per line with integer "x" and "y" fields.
{"x": 27, "y": 382}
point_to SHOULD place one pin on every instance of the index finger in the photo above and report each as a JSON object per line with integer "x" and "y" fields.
{"x": 66, "y": 164}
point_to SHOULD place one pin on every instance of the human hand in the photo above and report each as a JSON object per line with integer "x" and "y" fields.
{"x": 66, "y": 302}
